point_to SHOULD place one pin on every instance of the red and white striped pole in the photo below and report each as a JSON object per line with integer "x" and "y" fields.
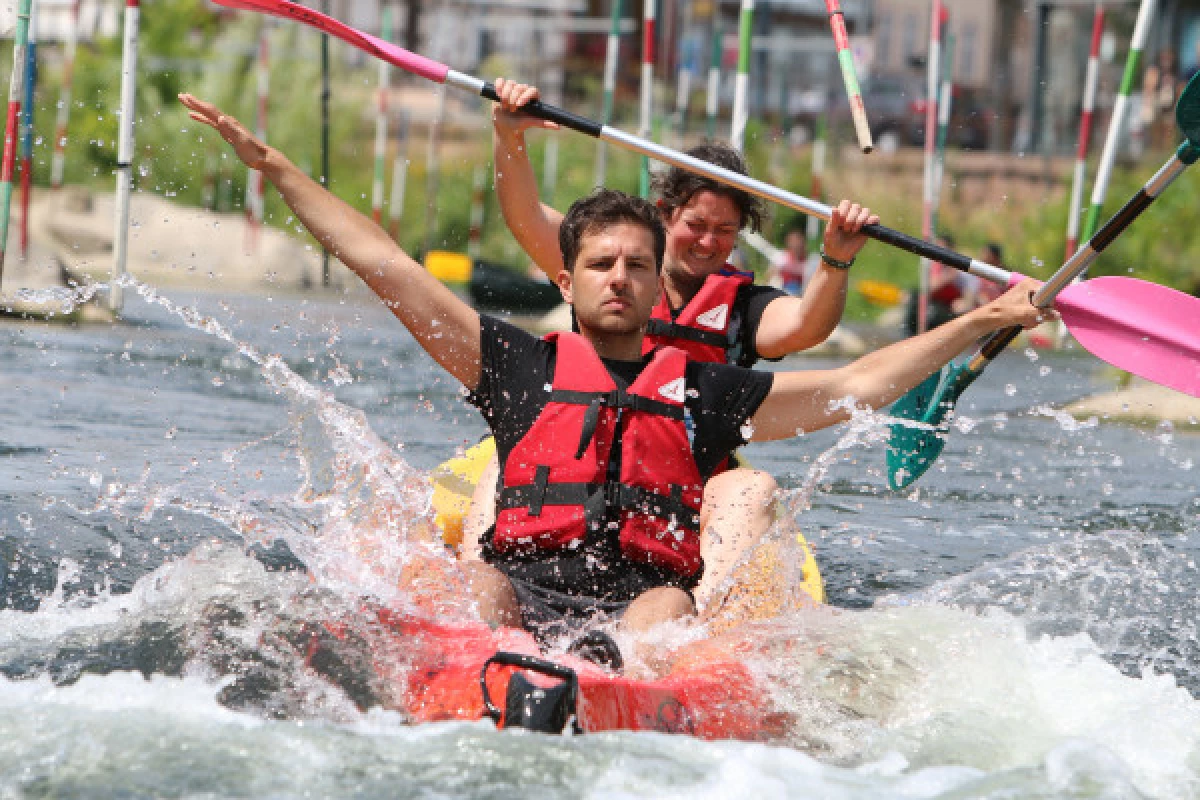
{"x": 16, "y": 89}
{"x": 381, "y": 123}
{"x": 649, "y": 17}
{"x": 1085, "y": 131}
{"x": 125, "y": 152}
{"x": 255, "y": 183}
{"x": 937, "y": 21}
{"x": 58, "y": 166}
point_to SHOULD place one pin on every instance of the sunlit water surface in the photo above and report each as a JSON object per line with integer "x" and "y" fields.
{"x": 1022, "y": 624}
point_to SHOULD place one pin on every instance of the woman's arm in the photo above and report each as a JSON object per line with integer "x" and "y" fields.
{"x": 792, "y": 324}
{"x": 533, "y": 223}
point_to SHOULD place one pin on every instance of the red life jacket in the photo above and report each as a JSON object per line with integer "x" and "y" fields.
{"x": 556, "y": 484}
{"x": 705, "y": 328}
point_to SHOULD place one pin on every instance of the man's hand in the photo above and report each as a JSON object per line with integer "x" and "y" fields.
{"x": 248, "y": 148}
{"x": 507, "y": 118}
{"x": 843, "y": 235}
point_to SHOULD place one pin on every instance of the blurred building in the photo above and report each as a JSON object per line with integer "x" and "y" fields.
{"x": 53, "y": 19}
{"x": 1001, "y": 45}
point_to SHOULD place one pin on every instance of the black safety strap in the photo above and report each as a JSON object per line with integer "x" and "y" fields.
{"x": 596, "y": 499}
{"x": 673, "y": 330}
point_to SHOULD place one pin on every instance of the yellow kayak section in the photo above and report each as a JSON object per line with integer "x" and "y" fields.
{"x": 454, "y": 484}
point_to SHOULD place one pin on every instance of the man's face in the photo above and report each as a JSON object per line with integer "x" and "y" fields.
{"x": 614, "y": 284}
{"x": 701, "y": 235}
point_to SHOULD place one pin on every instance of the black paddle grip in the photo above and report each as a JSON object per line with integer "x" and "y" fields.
{"x": 541, "y": 110}
{"x": 1120, "y": 221}
{"x": 998, "y": 341}
{"x": 921, "y": 247}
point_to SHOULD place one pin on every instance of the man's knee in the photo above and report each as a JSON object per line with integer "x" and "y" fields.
{"x": 656, "y": 606}
{"x": 494, "y": 593}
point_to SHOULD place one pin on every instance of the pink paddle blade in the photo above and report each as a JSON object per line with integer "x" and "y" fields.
{"x": 386, "y": 51}
{"x": 1144, "y": 328}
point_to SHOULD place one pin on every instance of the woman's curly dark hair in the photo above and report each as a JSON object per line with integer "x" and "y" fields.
{"x": 676, "y": 187}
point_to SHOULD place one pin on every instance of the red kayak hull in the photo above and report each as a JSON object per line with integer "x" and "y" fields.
{"x": 434, "y": 668}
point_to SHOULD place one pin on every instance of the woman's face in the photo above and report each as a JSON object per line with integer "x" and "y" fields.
{"x": 701, "y": 235}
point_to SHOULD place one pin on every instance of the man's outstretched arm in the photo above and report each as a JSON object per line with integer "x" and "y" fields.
{"x": 534, "y": 224}
{"x": 443, "y": 324}
{"x": 799, "y": 402}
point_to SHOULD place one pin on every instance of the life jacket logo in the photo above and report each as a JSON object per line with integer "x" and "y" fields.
{"x": 673, "y": 391}
{"x": 715, "y": 318}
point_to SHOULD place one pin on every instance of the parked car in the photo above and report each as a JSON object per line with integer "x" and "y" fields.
{"x": 896, "y": 112}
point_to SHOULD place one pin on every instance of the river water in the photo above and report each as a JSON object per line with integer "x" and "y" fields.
{"x": 1021, "y": 624}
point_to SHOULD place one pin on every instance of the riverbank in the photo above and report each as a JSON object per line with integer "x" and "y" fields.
{"x": 71, "y": 243}
{"x": 1142, "y": 403}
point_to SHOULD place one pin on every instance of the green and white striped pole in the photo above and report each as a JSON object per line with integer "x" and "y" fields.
{"x": 713, "y": 104}
{"x": 741, "y": 87}
{"x": 1108, "y": 156}
{"x": 385, "y": 70}
{"x": 16, "y": 89}
{"x": 841, "y": 40}
{"x": 610, "y": 87}
{"x": 646, "y": 117}
{"x": 125, "y": 152}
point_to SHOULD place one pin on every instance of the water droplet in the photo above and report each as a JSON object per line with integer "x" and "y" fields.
{"x": 1010, "y": 389}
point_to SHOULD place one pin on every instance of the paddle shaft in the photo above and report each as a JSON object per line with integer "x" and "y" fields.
{"x": 1078, "y": 263}
{"x": 753, "y": 186}
{"x": 440, "y": 73}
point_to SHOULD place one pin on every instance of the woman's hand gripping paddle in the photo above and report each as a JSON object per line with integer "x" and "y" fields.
{"x": 1142, "y": 328}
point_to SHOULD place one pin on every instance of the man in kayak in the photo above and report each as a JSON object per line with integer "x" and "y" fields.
{"x": 709, "y": 309}
{"x": 600, "y": 506}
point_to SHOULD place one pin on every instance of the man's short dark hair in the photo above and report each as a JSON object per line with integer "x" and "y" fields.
{"x": 604, "y": 208}
{"x": 676, "y": 187}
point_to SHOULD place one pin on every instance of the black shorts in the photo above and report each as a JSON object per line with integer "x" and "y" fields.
{"x": 563, "y": 591}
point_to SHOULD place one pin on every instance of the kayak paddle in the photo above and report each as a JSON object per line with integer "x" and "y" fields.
{"x": 1150, "y": 330}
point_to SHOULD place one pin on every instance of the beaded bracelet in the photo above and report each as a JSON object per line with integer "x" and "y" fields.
{"x": 833, "y": 262}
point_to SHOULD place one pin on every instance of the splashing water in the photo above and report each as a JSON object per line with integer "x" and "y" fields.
{"x": 1047, "y": 672}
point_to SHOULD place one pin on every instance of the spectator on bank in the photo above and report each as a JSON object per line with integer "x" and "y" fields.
{"x": 797, "y": 264}
{"x": 1160, "y": 89}
{"x": 945, "y": 290}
